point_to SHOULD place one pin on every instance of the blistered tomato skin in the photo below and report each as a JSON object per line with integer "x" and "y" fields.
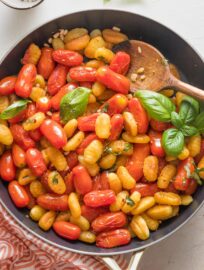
{"x": 67, "y": 58}
{"x": 87, "y": 123}
{"x": 91, "y": 213}
{"x": 18, "y": 155}
{"x": 113, "y": 238}
{"x": 35, "y": 161}
{"x": 25, "y": 80}
{"x": 53, "y": 202}
{"x": 114, "y": 105}
{"x": 155, "y": 144}
{"x": 113, "y": 80}
{"x": 21, "y": 137}
{"x": 82, "y": 180}
{"x": 99, "y": 198}
{"x": 117, "y": 122}
{"x": 146, "y": 189}
{"x": 7, "y": 167}
{"x": 57, "y": 79}
{"x": 54, "y": 133}
{"x": 18, "y": 194}
{"x": 83, "y": 74}
{"x": 120, "y": 63}
{"x": 46, "y": 63}
{"x": 67, "y": 230}
{"x": 7, "y": 85}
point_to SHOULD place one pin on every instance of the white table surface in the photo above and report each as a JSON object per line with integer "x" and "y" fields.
{"x": 185, "y": 249}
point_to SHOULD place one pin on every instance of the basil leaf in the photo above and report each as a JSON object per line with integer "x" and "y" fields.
{"x": 14, "y": 109}
{"x": 189, "y": 130}
{"x": 129, "y": 201}
{"x": 173, "y": 141}
{"x": 74, "y": 103}
{"x": 158, "y": 106}
{"x": 187, "y": 112}
{"x": 176, "y": 120}
{"x": 199, "y": 122}
{"x": 194, "y": 103}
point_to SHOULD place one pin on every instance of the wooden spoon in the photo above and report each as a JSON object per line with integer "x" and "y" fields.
{"x": 156, "y": 75}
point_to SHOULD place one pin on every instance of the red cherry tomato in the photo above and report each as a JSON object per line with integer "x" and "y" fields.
{"x": 7, "y": 85}
{"x": 191, "y": 187}
{"x": 140, "y": 115}
{"x": 113, "y": 80}
{"x": 146, "y": 189}
{"x": 185, "y": 169}
{"x": 53, "y": 202}
{"x": 99, "y": 198}
{"x": 87, "y": 123}
{"x": 18, "y": 118}
{"x": 91, "y": 213}
{"x": 31, "y": 110}
{"x": 115, "y": 104}
{"x": 113, "y": 238}
{"x": 82, "y": 180}
{"x": 120, "y": 63}
{"x": 18, "y": 155}
{"x": 67, "y": 230}
{"x": 35, "y": 161}
{"x": 109, "y": 221}
{"x": 158, "y": 126}
{"x": 91, "y": 137}
{"x": 83, "y": 74}
{"x": 46, "y": 63}
{"x": 56, "y": 117}
{"x": 155, "y": 144}
{"x": 21, "y": 137}
{"x": 72, "y": 160}
{"x": 135, "y": 163}
{"x": 67, "y": 58}
{"x": 86, "y": 84}
{"x": 25, "y": 80}
{"x": 7, "y": 168}
{"x": 56, "y": 99}
{"x": 57, "y": 79}
{"x": 54, "y": 133}
{"x": 101, "y": 182}
{"x": 35, "y": 134}
{"x": 116, "y": 127}
{"x": 69, "y": 182}
{"x": 18, "y": 194}
{"x": 43, "y": 104}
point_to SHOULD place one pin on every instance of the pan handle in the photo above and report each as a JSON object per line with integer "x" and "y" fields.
{"x": 134, "y": 262}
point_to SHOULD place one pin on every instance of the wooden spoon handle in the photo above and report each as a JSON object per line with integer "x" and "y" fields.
{"x": 187, "y": 88}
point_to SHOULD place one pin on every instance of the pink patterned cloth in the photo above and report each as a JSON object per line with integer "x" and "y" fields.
{"x": 19, "y": 249}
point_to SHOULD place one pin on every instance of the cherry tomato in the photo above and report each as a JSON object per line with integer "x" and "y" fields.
{"x": 83, "y": 74}
{"x": 18, "y": 118}
{"x": 100, "y": 181}
{"x": 35, "y": 134}
{"x": 7, "y": 167}
{"x": 91, "y": 137}
{"x": 155, "y": 144}
{"x": 135, "y": 163}
{"x": 116, "y": 127}
{"x": 99, "y": 198}
{"x": 146, "y": 189}
{"x": 57, "y": 79}
{"x": 109, "y": 221}
{"x": 191, "y": 187}
{"x": 35, "y": 161}
{"x": 171, "y": 188}
{"x": 56, "y": 99}
{"x": 53, "y": 202}
{"x": 46, "y": 63}
{"x": 201, "y": 154}
{"x": 18, "y": 194}
{"x": 54, "y": 133}
{"x": 91, "y": 213}
{"x": 115, "y": 104}
{"x": 140, "y": 115}
{"x": 158, "y": 126}
{"x": 21, "y": 137}
{"x": 185, "y": 169}
{"x": 18, "y": 155}
{"x": 67, "y": 58}
{"x": 31, "y": 110}
{"x": 72, "y": 160}
{"x": 86, "y": 84}
{"x": 7, "y": 85}
{"x": 67, "y": 230}
{"x": 113, "y": 238}
{"x": 87, "y": 123}
{"x": 69, "y": 182}
{"x": 43, "y": 104}
{"x": 56, "y": 117}
{"x": 113, "y": 80}
{"x": 120, "y": 63}
{"x": 82, "y": 180}
{"x": 25, "y": 80}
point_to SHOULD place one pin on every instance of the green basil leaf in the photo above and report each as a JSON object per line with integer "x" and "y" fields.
{"x": 173, "y": 141}
{"x": 189, "y": 130}
{"x": 199, "y": 122}
{"x": 158, "y": 106}
{"x": 14, "y": 109}
{"x": 176, "y": 120}
{"x": 74, "y": 103}
{"x": 194, "y": 103}
{"x": 187, "y": 112}
{"x": 129, "y": 201}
